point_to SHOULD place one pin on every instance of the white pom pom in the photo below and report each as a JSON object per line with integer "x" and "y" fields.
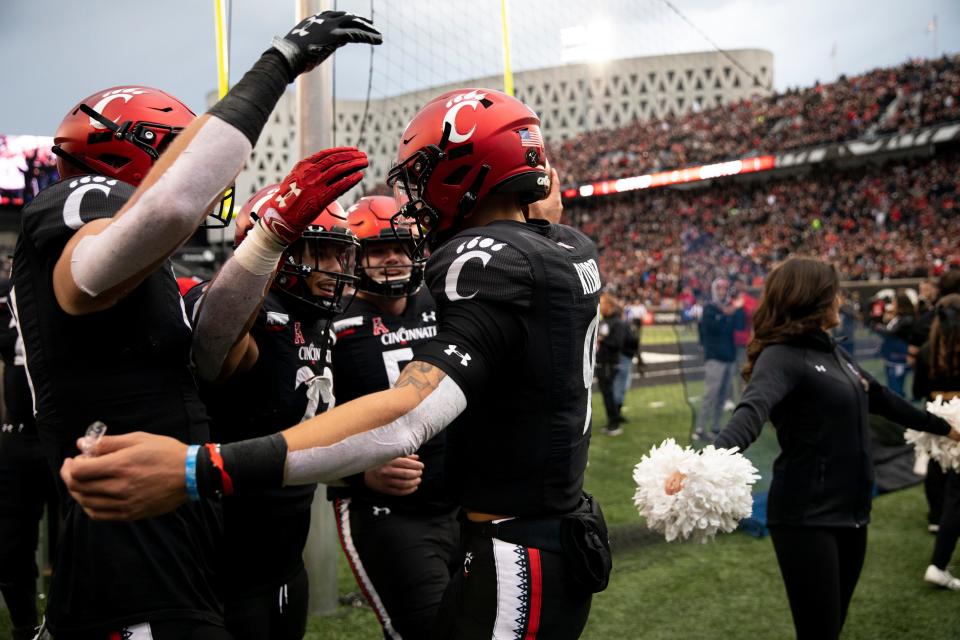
{"x": 941, "y": 448}
{"x": 715, "y": 496}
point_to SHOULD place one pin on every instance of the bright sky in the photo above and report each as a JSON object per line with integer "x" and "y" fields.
{"x": 54, "y": 53}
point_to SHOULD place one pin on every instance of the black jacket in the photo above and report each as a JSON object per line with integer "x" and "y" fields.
{"x": 819, "y": 401}
{"x": 716, "y": 332}
{"x": 611, "y": 339}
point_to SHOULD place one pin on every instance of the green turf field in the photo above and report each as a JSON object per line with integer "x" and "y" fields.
{"x": 730, "y": 588}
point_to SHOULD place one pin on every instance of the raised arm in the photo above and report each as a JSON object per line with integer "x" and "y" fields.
{"x": 106, "y": 259}
{"x": 222, "y": 343}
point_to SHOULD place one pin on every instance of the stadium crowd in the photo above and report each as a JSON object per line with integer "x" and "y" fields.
{"x": 876, "y": 222}
{"x": 174, "y": 561}
{"x": 883, "y": 101}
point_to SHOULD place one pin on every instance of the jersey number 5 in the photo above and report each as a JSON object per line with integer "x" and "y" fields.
{"x": 392, "y": 360}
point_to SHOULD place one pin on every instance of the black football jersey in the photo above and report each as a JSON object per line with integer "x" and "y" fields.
{"x": 17, "y": 401}
{"x": 128, "y": 367}
{"x": 8, "y": 327}
{"x": 289, "y": 383}
{"x": 372, "y": 348}
{"x": 520, "y": 447}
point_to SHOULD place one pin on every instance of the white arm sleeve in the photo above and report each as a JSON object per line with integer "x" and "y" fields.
{"x": 165, "y": 213}
{"x": 401, "y": 437}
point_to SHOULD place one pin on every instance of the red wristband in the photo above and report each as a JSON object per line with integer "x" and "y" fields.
{"x": 217, "y": 460}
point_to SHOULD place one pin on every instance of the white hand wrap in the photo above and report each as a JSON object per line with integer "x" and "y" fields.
{"x": 259, "y": 252}
{"x": 165, "y": 213}
{"x": 401, "y": 437}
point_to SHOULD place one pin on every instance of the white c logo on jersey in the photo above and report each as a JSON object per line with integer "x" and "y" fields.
{"x": 453, "y": 274}
{"x": 71, "y": 206}
{"x": 454, "y": 105}
{"x": 107, "y": 98}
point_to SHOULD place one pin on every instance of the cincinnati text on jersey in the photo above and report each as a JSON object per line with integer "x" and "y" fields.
{"x": 404, "y": 335}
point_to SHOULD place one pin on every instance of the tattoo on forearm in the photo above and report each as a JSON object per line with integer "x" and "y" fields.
{"x": 420, "y": 375}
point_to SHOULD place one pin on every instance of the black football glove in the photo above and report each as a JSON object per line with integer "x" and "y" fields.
{"x": 316, "y": 38}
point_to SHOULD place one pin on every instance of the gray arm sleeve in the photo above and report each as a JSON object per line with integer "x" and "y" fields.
{"x": 165, "y": 213}
{"x": 223, "y": 311}
{"x": 401, "y": 437}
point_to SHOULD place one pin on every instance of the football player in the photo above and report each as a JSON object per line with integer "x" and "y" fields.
{"x": 511, "y": 369}
{"x": 284, "y": 357}
{"x": 27, "y": 483}
{"x": 397, "y": 524}
{"x": 105, "y": 333}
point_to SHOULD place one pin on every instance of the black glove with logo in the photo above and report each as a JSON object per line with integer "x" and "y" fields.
{"x": 316, "y": 38}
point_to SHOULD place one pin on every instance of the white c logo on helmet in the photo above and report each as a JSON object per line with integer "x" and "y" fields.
{"x": 471, "y": 99}
{"x": 117, "y": 94}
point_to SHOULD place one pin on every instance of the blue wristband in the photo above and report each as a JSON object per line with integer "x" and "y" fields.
{"x": 192, "y": 452}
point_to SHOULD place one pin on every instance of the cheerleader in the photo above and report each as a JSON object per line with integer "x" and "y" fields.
{"x": 938, "y": 374}
{"x": 819, "y": 401}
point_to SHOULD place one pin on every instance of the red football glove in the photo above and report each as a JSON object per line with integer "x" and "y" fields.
{"x": 314, "y": 183}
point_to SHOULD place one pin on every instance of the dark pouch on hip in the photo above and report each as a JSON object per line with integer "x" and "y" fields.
{"x": 586, "y": 546}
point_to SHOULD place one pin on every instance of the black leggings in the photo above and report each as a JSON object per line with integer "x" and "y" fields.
{"x": 949, "y": 522}
{"x": 606, "y": 374}
{"x": 934, "y": 486}
{"x": 820, "y": 568}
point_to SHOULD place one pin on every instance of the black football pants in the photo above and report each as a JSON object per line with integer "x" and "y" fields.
{"x": 26, "y": 486}
{"x": 402, "y": 562}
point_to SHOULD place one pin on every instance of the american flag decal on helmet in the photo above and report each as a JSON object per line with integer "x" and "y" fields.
{"x": 530, "y": 137}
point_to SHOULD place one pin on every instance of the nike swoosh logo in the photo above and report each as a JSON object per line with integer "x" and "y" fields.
{"x": 407, "y": 141}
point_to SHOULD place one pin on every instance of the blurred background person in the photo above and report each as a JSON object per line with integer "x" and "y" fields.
{"x": 938, "y": 374}
{"x": 27, "y": 484}
{"x": 629, "y": 350}
{"x": 721, "y": 318}
{"x": 742, "y": 335}
{"x": 895, "y": 331}
{"x": 845, "y": 333}
{"x": 611, "y": 340}
{"x": 934, "y": 482}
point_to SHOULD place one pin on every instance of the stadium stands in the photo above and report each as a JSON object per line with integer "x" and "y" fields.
{"x": 882, "y": 101}
{"x": 873, "y": 222}
{"x": 898, "y": 219}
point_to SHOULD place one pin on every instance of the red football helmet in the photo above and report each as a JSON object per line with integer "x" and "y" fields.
{"x": 461, "y": 147}
{"x": 120, "y": 132}
{"x": 327, "y": 247}
{"x": 370, "y": 220}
